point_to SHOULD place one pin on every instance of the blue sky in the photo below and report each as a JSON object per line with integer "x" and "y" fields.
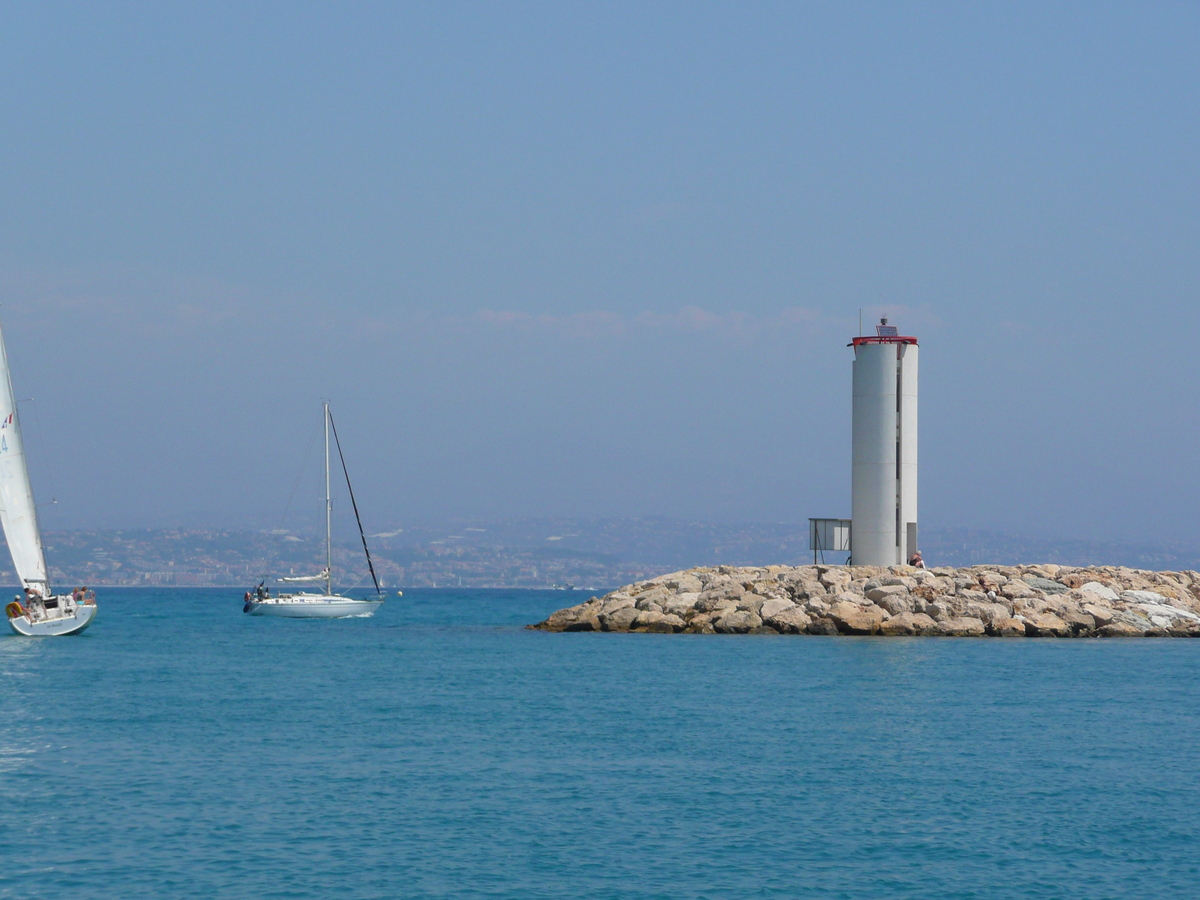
{"x": 569, "y": 259}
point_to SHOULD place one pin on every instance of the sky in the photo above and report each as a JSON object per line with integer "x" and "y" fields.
{"x": 564, "y": 259}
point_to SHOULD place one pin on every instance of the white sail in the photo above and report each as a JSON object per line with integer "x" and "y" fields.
{"x": 17, "y": 511}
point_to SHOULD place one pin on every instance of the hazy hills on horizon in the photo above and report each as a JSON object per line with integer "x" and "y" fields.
{"x": 529, "y": 552}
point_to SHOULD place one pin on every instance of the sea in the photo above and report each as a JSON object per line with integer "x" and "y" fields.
{"x": 182, "y": 749}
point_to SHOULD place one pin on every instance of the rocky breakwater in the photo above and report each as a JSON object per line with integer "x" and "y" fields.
{"x": 999, "y": 601}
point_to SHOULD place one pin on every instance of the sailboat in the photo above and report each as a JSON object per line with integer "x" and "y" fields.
{"x": 312, "y": 605}
{"x": 37, "y": 612}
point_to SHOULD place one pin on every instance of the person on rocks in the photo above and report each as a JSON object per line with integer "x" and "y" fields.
{"x": 915, "y": 560}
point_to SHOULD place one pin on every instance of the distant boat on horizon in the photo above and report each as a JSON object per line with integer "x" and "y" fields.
{"x": 37, "y": 613}
{"x": 305, "y": 605}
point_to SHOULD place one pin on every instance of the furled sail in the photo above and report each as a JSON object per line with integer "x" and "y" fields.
{"x": 299, "y": 578}
{"x": 17, "y": 511}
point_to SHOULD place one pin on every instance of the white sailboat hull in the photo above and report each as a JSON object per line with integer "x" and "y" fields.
{"x": 71, "y": 621}
{"x": 311, "y": 606}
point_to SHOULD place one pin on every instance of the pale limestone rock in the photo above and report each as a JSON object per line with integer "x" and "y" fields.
{"x": 680, "y": 604}
{"x": 683, "y": 583}
{"x": 615, "y": 602}
{"x": 1103, "y": 591}
{"x": 877, "y": 593}
{"x": 752, "y": 603}
{"x": 738, "y": 621}
{"x": 816, "y": 607}
{"x": 896, "y": 603}
{"x": 646, "y": 618}
{"x": 792, "y": 620}
{"x": 1016, "y": 588}
{"x": 1134, "y": 618}
{"x": 1078, "y": 622}
{"x": 852, "y": 618}
{"x": 908, "y": 623}
{"x": 1119, "y": 629}
{"x": 773, "y": 606}
{"x": 961, "y": 626}
{"x": 618, "y": 620}
{"x": 1103, "y": 614}
{"x": 986, "y": 612}
{"x": 1046, "y": 625}
{"x": 1006, "y": 627}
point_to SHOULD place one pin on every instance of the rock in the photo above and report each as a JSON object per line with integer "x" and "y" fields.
{"x": 851, "y": 618}
{"x": 1142, "y": 597}
{"x": 896, "y": 603}
{"x": 1045, "y": 585}
{"x": 618, "y": 620}
{"x": 1014, "y": 589}
{"x": 563, "y": 619}
{"x": 986, "y": 611}
{"x": 738, "y": 621}
{"x": 960, "y": 626}
{"x": 774, "y": 605}
{"x": 908, "y": 623}
{"x": 793, "y": 620}
{"x": 939, "y": 610}
{"x": 680, "y": 604}
{"x": 668, "y": 624}
{"x": 613, "y": 602}
{"x": 684, "y": 583}
{"x": 645, "y": 619}
{"x": 1102, "y": 591}
{"x": 816, "y": 607}
{"x": 1129, "y": 617}
{"x": 1046, "y": 624}
{"x": 834, "y": 580}
{"x": 751, "y": 603}
{"x": 1102, "y": 614}
{"x": 589, "y": 624}
{"x": 1079, "y": 622}
{"x": 1006, "y": 627}
{"x": 1119, "y": 629}
{"x": 875, "y": 594}
{"x": 823, "y": 626}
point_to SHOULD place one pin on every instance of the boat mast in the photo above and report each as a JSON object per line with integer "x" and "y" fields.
{"x": 328, "y": 513}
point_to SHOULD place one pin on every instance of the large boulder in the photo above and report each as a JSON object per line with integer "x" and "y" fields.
{"x": 906, "y": 623}
{"x": 894, "y": 601}
{"x": 1045, "y": 585}
{"x": 1119, "y": 629}
{"x": 738, "y": 621}
{"x": 1103, "y": 591}
{"x": 1006, "y": 627}
{"x": 851, "y": 618}
{"x": 793, "y": 620}
{"x": 619, "y": 620}
{"x": 774, "y": 605}
{"x": 960, "y": 626}
{"x": 1046, "y": 624}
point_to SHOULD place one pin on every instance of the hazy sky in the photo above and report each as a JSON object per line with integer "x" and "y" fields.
{"x": 602, "y": 259}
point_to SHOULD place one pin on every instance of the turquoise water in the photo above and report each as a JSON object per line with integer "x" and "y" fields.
{"x": 181, "y": 749}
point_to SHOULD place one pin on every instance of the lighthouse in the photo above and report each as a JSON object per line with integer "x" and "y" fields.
{"x": 883, "y": 490}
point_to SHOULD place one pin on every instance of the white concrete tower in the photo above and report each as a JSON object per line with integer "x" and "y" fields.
{"x": 883, "y": 492}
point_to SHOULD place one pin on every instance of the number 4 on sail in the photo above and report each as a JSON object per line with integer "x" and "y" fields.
{"x": 37, "y": 612}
